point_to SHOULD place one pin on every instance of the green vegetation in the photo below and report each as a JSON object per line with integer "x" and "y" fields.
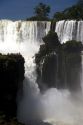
{"x": 72, "y": 13}
{"x": 51, "y": 40}
{"x": 11, "y": 79}
{"x": 51, "y": 43}
{"x": 41, "y": 12}
{"x": 59, "y": 16}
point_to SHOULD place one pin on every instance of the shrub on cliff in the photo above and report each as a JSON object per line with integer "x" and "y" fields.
{"x": 51, "y": 40}
{"x": 51, "y": 43}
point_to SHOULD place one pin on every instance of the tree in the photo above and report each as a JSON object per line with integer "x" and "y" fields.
{"x": 59, "y": 16}
{"x": 51, "y": 39}
{"x": 75, "y": 12}
{"x": 42, "y": 10}
{"x": 51, "y": 44}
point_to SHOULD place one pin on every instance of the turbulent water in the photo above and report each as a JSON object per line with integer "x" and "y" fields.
{"x": 58, "y": 107}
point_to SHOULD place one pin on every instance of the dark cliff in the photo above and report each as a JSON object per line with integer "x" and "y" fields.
{"x": 11, "y": 79}
{"x": 59, "y": 65}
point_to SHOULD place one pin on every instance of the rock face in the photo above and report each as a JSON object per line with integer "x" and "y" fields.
{"x": 59, "y": 65}
{"x": 72, "y": 70}
{"x": 11, "y": 78}
{"x": 60, "y": 71}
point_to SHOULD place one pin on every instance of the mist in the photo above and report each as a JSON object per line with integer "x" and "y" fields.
{"x": 53, "y": 106}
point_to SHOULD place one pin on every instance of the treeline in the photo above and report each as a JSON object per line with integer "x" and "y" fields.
{"x": 42, "y": 12}
{"x": 72, "y": 13}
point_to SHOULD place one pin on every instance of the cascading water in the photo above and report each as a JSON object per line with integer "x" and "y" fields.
{"x": 25, "y": 38}
{"x": 69, "y": 30}
{"x": 58, "y": 107}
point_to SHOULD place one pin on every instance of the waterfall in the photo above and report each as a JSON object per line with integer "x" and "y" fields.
{"x": 69, "y": 30}
{"x": 58, "y": 107}
{"x": 25, "y": 37}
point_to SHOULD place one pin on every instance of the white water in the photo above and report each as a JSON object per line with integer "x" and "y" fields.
{"x": 68, "y": 30}
{"x": 59, "y": 107}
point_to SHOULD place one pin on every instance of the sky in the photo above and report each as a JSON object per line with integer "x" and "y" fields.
{"x": 22, "y": 9}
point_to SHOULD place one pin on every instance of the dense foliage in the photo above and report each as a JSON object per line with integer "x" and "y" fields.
{"x": 51, "y": 39}
{"x": 72, "y": 13}
{"x": 51, "y": 43}
{"x": 41, "y": 12}
{"x": 11, "y": 78}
